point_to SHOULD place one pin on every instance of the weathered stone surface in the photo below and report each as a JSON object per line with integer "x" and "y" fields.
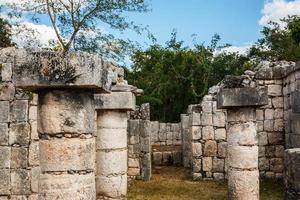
{"x": 5, "y": 181}
{"x": 241, "y": 115}
{"x": 274, "y": 90}
{"x": 195, "y": 119}
{"x": 115, "y": 101}
{"x": 62, "y": 186}
{"x": 111, "y": 163}
{"x": 114, "y": 187}
{"x": 262, "y": 138}
{"x": 20, "y": 182}
{"x": 206, "y": 106}
{"x": 19, "y": 111}
{"x": 206, "y": 119}
{"x": 3, "y": 134}
{"x": 197, "y": 165}
{"x": 19, "y": 134}
{"x": 277, "y": 102}
{"x": 112, "y": 119}
{"x": 59, "y": 112}
{"x": 197, "y": 149}
{"x": 7, "y": 91}
{"x": 34, "y": 154}
{"x": 218, "y": 165}
{"x": 259, "y": 115}
{"x": 19, "y": 157}
{"x": 67, "y": 154}
{"x": 4, "y": 110}
{"x": 292, "y": 171}
{"x": 207, "y": 133}
{"x": 6, "y": 72}
{"x": 275, "y": 138}
{"x": 196, "y": 132}
{"x": 219, "y": 119}
{"x": 157, "y": 158}
{"x": 210, "y": 148}
{"x": 243, "y": 157}
{"x": 220, "y": 134}
{"x": 222, "y": 149}
{"x": 207, "y": 164}
{"x": 243, "y": 184}
{"x": 263, "y": 164}
{"x": 240, "y": 97}
{"x": 34, "y": 182}
{"x": 111, "y": 138}
{"x": 36, "y": 70}
{"x": 5, "y": 156}
{"x": 242, "y": 134}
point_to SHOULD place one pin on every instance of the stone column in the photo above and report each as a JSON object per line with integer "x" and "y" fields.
{"x": 65, "y": 119}
{"x": 111, "y": 144}
{"x": 243, "y": 173}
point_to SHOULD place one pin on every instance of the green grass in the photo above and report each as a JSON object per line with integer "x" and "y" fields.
{"x": 172, "y": 183}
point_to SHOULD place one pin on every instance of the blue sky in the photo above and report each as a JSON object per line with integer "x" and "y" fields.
{"x": 235, "y": 20}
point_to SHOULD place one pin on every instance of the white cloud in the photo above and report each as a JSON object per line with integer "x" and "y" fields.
{"x": 275, "y": 10}
{"x": 242, "y": 50}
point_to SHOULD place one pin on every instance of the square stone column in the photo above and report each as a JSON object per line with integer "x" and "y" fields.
{"x": 65, "y": 84}
{"x": 243, "y": 173}
{"x": 111, "y": 143}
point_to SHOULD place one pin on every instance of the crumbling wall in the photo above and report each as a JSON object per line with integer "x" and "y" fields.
{"x": 19, "y": 150}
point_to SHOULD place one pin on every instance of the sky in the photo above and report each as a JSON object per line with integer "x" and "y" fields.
{"x": 238, "y": 22}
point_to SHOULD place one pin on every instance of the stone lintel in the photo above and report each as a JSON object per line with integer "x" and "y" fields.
{"x": 35, "y": 70}
{"x": 241, "y": 97}
{"x": 115, "y": 101}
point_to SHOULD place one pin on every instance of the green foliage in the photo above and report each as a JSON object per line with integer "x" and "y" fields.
{"x": 279, "y": 43}
{"x": 175, "y": 76}
{"x": 5, "y": 35}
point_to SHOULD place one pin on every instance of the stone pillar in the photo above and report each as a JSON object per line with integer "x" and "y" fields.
{"x": 67, "y": 145}
{"x": 111, "y": 144}
{"x": 65, "y": 84}
{"x": 292, "y": 173}
{"x": 243, "y": 173}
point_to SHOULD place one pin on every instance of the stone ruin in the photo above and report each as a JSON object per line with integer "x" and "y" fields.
{"x": 66, "y": 131}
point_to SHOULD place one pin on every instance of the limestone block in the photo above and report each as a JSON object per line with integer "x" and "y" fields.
{"x": 20, "y": 182}
{"x": 220, "y": 134}
{"x": 67, "y": 154}
{"x": 207, "y": 164}
{"x": 18, "y": 197}
{"x": 3, "y": 134}
{"x": 277, "y": 102}
{"x": 132, "y": 140}
{"x": 218, "y": 176}
{"x": 35, "y": 70}
{"x": 33, "y": 133}
{"x": 242, "y": 134}
{"x": 34, "y": 154}
{"x": 197, "y": 149}
{"x": 66, "y": 112}
{"x": 259, "y": 114}
{"x": 263, "y": 164}
{"x": 269, "y": 114}
{"x": 19, "y": 157}
{"x": 208, "y": 133}
{"x": 275, "y": 90}
{"x": 210, "y": 148}
{"x": 115, "y": 101}
{"x": 4, "y": 110}
{"x": 197, "y": 176}
{"x": 5, "y": 181}
{"x": 19, "y": 134}
{"x": 145, "y": 144}
{"x": 157, "y": 158}
{"x": 262, "y": 138}
{"x": 241, "y": 115}
{"x": 19, "y": 111}
{"x": 278, "y": 114}
{"x": 64, "y": 186}
{"x": 196, "y": 132}
{"x": 33, "y": 197}
{"x": 269, "y": 125}
{"x": 206, "y": 119}
{"x": 114, "y": 187}
{"x": 133, "y": 171}
{"x": 195, "y": 119}
{"x": 133, "y": 127}
{"x": 34, "y": 181}
{"x": 162, "y": 135}
{"x": 134, "y": 163}
{"x": 275, "y": 138}
{"x": 279, "y": 151}
{"x": 111, "y": 162}
{"x": 260, "y": 126}
{"x": 270, "y": 151}
{"x": 5, "y": 156}
{"x": 276, "y": 164}
{"x": 154, "y": 131}
{"x": 33, "y": 113}
{"x": 219, "y": 119}
{"x": 237, "y": 97}
{"x": 243, "y": 185}
{"x": 7, "y": 91}
{"x": 243, "y": 157}
{"x": 109, "y": 138}
{"x": 292, "y": 170}
{"x": 6, "y": 72}
{"x": 222, "y": 149}
{"x": 218, "y": 165}
{"x": 206, "y": 106}
{"x": 278, "y": 125}
{"x": 4, "y": 198}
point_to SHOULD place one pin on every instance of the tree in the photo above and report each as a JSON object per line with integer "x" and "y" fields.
{"x": 175, "y": 76}
{"x": 5, "y": 34}
{"x": 78, "y": 23}
{"x": 279, "y": 43}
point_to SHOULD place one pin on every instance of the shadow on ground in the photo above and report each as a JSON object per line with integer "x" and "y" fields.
{"x": 174, "y": 183}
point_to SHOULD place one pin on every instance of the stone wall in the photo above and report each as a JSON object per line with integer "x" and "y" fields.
{"x": 19, "y": 153}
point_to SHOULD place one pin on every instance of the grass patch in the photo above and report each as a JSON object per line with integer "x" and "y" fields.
{"x": 173, "y": 183}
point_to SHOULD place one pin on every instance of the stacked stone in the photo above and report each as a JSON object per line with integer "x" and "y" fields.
{"x": 165, "y": 133}
{"x": 208, "y": 141}
{"x": 186, "y": 141}
{"x": 18, "y": 147}
{"x": 270, "y": 128}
